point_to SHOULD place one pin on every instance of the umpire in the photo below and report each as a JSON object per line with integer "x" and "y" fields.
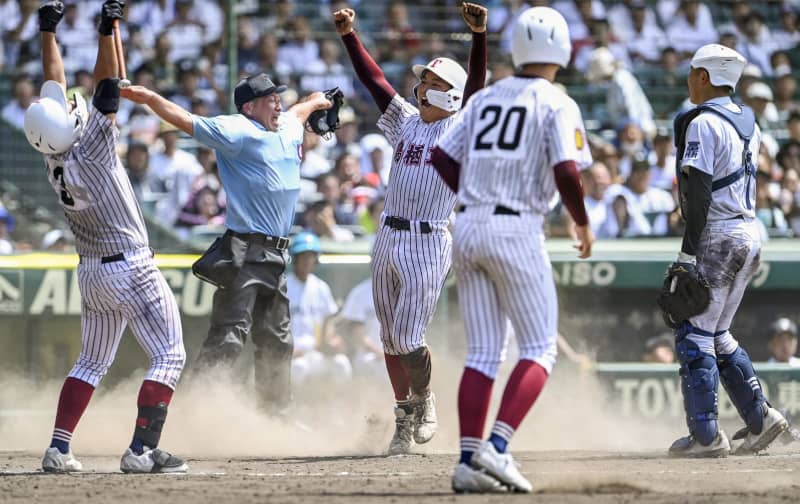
{"x": 258, "y": 154}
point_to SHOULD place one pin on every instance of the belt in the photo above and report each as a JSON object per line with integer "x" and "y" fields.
{"x": 112, "y": 258}
{"x": 405, "y": 225}
{"x": 498, "y": 210}
{"x": 278, "y": 242}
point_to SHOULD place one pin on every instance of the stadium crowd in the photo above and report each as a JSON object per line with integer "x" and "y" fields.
{"x": 630, "y": 58}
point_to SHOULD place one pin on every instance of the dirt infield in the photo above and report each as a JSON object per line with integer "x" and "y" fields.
{"x": 563, "y": 476}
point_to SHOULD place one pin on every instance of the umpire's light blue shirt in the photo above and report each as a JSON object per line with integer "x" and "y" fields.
{"x": 259, "y": 169}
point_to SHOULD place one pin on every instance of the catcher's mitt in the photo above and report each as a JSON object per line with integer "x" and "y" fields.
{"x": 325, "y": 122}
{"x": 685, "y": 293}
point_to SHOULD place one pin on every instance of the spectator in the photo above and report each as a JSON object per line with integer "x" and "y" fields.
{"x": 76, "y": 35}
{"x": 370, "y": 219}
{"x": 689, "y": 30}
{"x": 14, "y": 111}
{"x": 6, "y": 228}
{"x": 20, "y": 32}
{"x": 363, "y": 332}
{"x": 326, "y": 72}
{"x": 399, "y": 29}
{"x": 783, "y": 342}
{"x": 624, "y": 96}
{"x": 348, "y": 169}
{"x": 660, "y": 349}
{"x": 210, "y": 176}
{"x": 162, "y": 64}
{"x": 768, "y": 209}
{"x": 788, "y": 35}
{"x": 376, "y": 157}
{"x": 319, "y": 219}
{"x": 755, "y": 44}
{"x": 347, "y": 136}
{"x": 793, "y": 125}
{"x": 622, "y": 16}
{"x": 57, "y": 240}
{"x": 596, "y": 183}
{"x": 299, "y": 49}
{"x": 153, "y": 17}
{"x": 631, "y": 144}
{"x": 188, "y": 81}
{"x": 579, "y": 14}
{"x": 329, "y": 186}
{"x": 147, "y": 188}
{"x": 662, "y": 160}
{"x": 177, "y": 170}
{"x": 601, "y": 37}
{"x": 186, "y": 34}
{"x": 314, "y": 163}
{"x": 759, "y": 97}
{"x": 264, "y": 58}
{"x": 670, "y": 71}
{"x": 645, "y": 40}
{"x": 317, "y": 352}
{"x": 203, "y": 209}
{"x": 639, "y": 209}
{"x": 790, "y": 199}
{"x": 785, "y": 89}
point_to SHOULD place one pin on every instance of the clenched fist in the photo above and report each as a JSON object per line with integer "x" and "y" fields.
{"x": 111, "y": 10}
{"x": 50, "y": 15}
{"x": 475, "y": 16}
{"x": 343, "y": 20}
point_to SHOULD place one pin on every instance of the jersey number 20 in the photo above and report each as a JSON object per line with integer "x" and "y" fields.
{"x": 510, "y": 129}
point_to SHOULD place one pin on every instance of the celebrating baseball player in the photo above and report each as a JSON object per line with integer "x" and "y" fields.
{"x": 510, "y": 149}
{"x": 118, "y": 280}
{"x": 412, "y": 251}
{"x": 716, "y": 145}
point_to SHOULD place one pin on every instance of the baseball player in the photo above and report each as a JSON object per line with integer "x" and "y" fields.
{"x": 510, "y": 149}
{"x": 716, "y": 145}
{"x": 412, "y": 251}
{"x": 118, "y": 280}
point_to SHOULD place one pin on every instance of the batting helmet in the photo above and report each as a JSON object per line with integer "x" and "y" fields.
{"x": 304, "y": 242}
{"x": 541, "y": 35}
{"x": 452, "y": 73}
{"x": 723, "y": 64}
{"x": 50, "y": 127}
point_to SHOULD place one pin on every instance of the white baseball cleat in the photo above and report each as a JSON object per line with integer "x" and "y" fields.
{"x": 501, "y": 466}
{"x": 151, "y": 461}
{"x": 467, "y": 479}
{"x": 774, "y": 425}
{"x": 56, "y": 462}
{"x": 403, "y": 438}
{"x": 689, "y": 447}
{"x": 425, "y": 421}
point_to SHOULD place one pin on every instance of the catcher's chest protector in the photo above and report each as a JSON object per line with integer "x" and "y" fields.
{"x": 744, "y": 122}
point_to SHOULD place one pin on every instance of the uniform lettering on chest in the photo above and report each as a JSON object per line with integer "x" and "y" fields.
{"x": 412, "y": 154}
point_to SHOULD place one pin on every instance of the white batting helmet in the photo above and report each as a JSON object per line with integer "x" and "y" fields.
{"x": 50, "y": 127}
{"x": 541, "y": 35}
{"x": 723, "y": 64}
{"x": 450, "y": 72}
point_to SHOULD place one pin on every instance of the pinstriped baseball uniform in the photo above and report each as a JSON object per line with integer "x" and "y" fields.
{"x": 508, "y": 139}
{"x": 100, "y": 206}
{"x": 409, "y": 266}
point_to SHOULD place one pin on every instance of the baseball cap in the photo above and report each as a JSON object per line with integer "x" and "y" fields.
{"x": 602, "y": 64}
{"x": 759, "y": 90}
{"x": 723, "y": 64}
{"x": 447, "y": 70}
{"x": 252, "y": 87}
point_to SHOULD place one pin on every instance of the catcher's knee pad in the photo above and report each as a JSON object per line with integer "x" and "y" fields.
{"x": 742, "y": 385}
{"x": 699, "y": 382}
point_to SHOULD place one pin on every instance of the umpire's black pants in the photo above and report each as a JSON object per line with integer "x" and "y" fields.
{"x": 255, "y": 303}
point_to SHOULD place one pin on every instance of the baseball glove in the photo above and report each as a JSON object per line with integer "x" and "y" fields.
{"x": 325, "y": 122}
{"x": 685, "y": 293}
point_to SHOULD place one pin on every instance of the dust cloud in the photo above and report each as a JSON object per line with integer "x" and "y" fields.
{"x": 216, "y": 416}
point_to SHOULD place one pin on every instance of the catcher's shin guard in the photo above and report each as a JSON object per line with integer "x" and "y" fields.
{"x": 742, "y": 385}
{"x": 699, "y": 381}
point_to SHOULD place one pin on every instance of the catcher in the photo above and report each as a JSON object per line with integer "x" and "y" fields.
{"x": 716, "y": 142}
{"x": 258, "y": 154}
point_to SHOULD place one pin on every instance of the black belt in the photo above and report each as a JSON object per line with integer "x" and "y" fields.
{"x": 278, "y": 242}
{"x": 405, "y": 225}
{"x": 498, "y": 210}
{"x": 112, "y": 258}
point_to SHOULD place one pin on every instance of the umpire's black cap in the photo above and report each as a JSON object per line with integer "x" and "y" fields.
{"x": 252, "y": 87}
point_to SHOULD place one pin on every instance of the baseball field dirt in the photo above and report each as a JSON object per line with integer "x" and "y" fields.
{"x": 574, "y": 447}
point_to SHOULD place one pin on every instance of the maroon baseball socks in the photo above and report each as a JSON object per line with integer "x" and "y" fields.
{"x": 75, "y": 396}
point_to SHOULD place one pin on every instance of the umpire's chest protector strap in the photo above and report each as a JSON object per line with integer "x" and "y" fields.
{"x": 744, "y": 122}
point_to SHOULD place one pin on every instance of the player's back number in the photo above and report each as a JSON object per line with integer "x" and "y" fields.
{"x": 500, "y": 127}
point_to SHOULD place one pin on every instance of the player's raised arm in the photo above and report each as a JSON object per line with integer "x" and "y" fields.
{"x": 367, "y": 70}
{"x": 50, "y": 15}
{"x": 476, "y": 17}
{"x": 106, "y": 68}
